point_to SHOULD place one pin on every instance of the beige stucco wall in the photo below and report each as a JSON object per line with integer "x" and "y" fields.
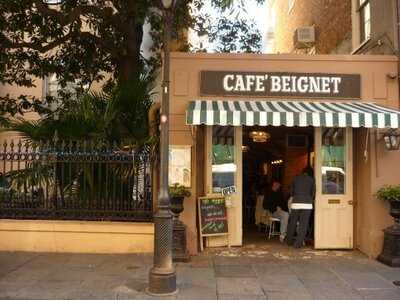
{"x": 371, "y": 215}
{"x": 76, "y": 236}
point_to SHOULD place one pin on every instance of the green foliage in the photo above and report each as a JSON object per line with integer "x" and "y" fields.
{"x": 232, "y": 31}
{"x": 235, "y": 35}
{"x": 389, "y": 193}
{"x": 120, "y": 115}
{"x": 178, "y": 190}
{"x": 80, "y": 41}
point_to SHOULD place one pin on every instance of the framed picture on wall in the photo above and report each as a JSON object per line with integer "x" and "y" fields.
{"x": 180, "y": 165}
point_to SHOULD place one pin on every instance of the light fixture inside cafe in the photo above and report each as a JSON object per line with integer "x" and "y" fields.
{"x": 245, "y": 148}
{"x": 392, "y": 140}
{"x": 259, "y": 136}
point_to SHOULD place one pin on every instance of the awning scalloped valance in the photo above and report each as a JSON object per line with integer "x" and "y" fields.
{"x": 291, "y": 113}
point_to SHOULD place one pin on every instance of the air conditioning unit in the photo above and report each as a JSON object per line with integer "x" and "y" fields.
{"x": 304, "y": 37}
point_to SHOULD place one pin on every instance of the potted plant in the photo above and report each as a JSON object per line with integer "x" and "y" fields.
{"x": 390, "y": 254}
{"x": 177, "y": 194}
{"x": 391, "y": 193}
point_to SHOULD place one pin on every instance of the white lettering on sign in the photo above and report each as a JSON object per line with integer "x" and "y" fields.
{"x": 240, "y": 87}
{"x": 276, "y": 84}
{"x": 227, "y": 86}
{"x": 325, "y": 85}
{"x": 282, "y": 83}
{"x": 250, "y": 81}
{"x": 302, "y": 85}
{"x": 285, "y": 84}
{"x": 260, "y": 83}
{"x": 336, "y": 81}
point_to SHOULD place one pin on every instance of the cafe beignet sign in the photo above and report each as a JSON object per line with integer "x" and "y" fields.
{"x": 280, "y": 84}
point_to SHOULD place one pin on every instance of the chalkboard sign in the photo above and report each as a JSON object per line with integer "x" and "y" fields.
{"x": 212, "y": 216}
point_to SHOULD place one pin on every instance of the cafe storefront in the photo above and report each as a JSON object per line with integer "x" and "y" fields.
{"x": 234, "y": 113}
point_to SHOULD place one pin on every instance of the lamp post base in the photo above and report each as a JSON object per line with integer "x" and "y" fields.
{"x": 179, "y": 249}
{"x": 161, "y": 284}
{"x": 391, "y": 247}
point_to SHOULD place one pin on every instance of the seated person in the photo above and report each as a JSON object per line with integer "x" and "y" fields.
{"x": 275, "y": 203}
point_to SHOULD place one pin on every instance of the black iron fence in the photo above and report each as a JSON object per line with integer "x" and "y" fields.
{"x": 74, "y": 181}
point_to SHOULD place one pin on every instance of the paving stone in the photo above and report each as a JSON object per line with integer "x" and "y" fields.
{"x": 198, "y": 261}
{"x": 283, "y": 295}
{"x": 196, "y": 293}
{"x": 25, "y": 276}
{"x": 238, "y": 286}
{"x": 366, "y": 280}
{"x": 381, "y": 294}
{"x": 223, "y": 260}
{"x": 334, "y": 293}
{"x": 234, "y": 271}
{"x": 11, "y": 261}
{"x": 279, "y": 268}
{"x": 277, "y": 283}
{"x": 393, "y": 275}
{"x": 242, "y": 297}
{"x": 197, "y": 277}
{"x": 48, "y": 291}
{"x": 9, "y": 290}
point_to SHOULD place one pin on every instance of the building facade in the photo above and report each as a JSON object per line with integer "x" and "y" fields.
{"x": 375, "y": 26}
{"x": 347, "y": 27}
{"x": 196, "y": 119}
{"x": 330, "y": 21}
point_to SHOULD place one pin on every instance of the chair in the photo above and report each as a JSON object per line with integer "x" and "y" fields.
{"x": 272, "y": 227}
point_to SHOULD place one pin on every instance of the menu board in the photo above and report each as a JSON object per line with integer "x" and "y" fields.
{"x": 213, "y": 216}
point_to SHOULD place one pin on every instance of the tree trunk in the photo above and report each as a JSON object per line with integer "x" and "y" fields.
{"x": 130, "y": 64}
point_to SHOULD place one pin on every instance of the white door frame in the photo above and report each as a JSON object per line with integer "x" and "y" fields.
{"x": 333, "y": 215}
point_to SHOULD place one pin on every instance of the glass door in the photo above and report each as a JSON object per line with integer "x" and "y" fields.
{"x": 334, "y": 189}
{"x": 223, "y": 169}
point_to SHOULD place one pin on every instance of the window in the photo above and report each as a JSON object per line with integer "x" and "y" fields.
{"x": 333, "y": 153}
{"x": 290, "y": 5}
{"x": 365, "y": 19}
{"x": 223, "y": 158}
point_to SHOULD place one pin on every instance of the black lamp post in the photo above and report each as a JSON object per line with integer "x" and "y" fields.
{"x": 162, "y": 276}
{"x": 392, "y": 140}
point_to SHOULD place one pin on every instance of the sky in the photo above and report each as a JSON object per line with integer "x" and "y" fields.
{"x": 257, "y": 12}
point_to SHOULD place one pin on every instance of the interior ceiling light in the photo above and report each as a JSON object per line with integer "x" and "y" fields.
{"x": 277, "y": 162}
{"x": 259, "y": 136}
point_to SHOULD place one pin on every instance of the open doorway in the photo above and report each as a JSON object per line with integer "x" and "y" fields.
{"x": 271, "y": 154}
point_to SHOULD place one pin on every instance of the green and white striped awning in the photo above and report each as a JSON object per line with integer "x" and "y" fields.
{"x": 292, "y": 113}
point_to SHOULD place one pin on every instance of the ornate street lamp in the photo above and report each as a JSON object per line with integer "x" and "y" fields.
{"x": 392, "y": 140}
{"x": 162, "y": 276}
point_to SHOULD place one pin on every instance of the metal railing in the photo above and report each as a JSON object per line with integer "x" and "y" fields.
{"x": 70, "y": 180}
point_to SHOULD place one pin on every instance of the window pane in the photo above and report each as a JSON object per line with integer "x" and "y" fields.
{"x": 290, "y": 5}
{"x": 365, "y": 22}
{"x": 223, "y": 158}
{"x": 333, "y": 153}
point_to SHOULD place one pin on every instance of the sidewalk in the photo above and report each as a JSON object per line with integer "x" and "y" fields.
{"x": 256, "y": 273}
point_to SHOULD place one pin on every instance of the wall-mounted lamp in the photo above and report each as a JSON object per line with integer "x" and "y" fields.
{"x": 392, "y": 140}
{"x": 392, "y": 75}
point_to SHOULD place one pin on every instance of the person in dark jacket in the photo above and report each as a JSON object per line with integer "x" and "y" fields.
{"x": 303, "y": 195}
{"x": 275, "y": 203}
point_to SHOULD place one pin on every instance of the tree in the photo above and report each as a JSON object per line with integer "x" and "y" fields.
{"x": 80, "y": 40}
{"x": 232, "y": 31}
